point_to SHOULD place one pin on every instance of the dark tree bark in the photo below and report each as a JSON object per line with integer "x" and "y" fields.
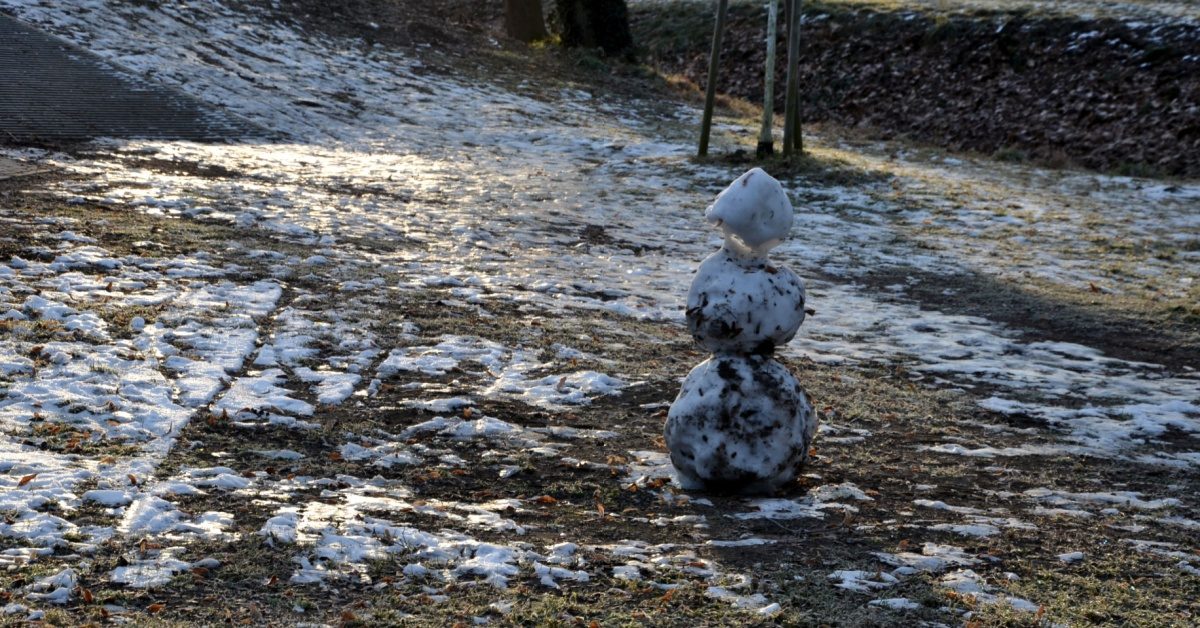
{"x": 523, "y": 20}
{"x": 595, "y": 24}
{"x": 710, "y": 90}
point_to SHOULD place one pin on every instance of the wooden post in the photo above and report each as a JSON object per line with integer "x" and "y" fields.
{"x": 711, "y": 90}
{"x": 797, "y": 135}
{"x": 789, "y": 108}
{"x": 766, "y": 141}
{"x": 523, "y": 20}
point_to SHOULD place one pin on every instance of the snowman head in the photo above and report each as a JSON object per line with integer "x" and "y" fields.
{"x": 754, "y": 213}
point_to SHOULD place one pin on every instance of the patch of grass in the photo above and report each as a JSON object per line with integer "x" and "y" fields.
{"x": 1011, "y": 154}
{"x": 36, "y": 332}
{"x": 1139, "y": 169}
{"x": 120, "y": 317}
{"x": 1112, "y": 586}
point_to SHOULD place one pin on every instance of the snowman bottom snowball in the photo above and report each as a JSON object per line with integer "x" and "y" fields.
{"x": 741, "y": 424}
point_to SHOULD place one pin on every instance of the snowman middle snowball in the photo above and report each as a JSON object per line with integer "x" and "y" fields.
{"x": 741, "y": 422}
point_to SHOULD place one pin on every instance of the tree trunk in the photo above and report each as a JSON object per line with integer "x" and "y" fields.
{"x": 523, "y": 20}
{"x": 711, "y": 90}
{"x": 797, "y": 134}
{"x": 790, "y": 105}
{"x": 766, "y": 139}
{"x": 594, "y": 24}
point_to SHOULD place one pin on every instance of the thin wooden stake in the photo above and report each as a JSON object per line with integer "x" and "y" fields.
{"x": 766, "y": 140}
{"x": 789, "y": 107}
{"x": 797, "y": 133}
{"x": 711, "y": 90}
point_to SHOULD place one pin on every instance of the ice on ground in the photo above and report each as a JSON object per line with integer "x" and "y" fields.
{"x": 1128, "y": 499}
{"x": 152, "y": 572}
{"x": 862, "y": 581}
{"x": 967, "y": 582}
{"x": 256, "y": 397}
{"x": 896, "y": 603}
{"x": 54, "y": 589}
{"x": 934, "y": 558}
{"x": 813, "y": 505}
{"x": 507, "y": 371}
{"x": 1071, "y": 557}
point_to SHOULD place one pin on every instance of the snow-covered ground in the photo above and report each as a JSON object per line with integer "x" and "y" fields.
{"x": 394, "y": 180}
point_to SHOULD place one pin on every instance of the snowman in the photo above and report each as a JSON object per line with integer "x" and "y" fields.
{"x": 741, "y": 422}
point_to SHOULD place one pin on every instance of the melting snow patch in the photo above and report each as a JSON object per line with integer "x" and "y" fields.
{"x": 740, "y": 542}
{"x": 549, "y": 575}
{"x": 253, "y": 396}
{"x": 862, "y": 581}
{"x": 934, "y": 558}
{"x": 55, "y": 589}
{"x": 974, "y": 529}
{"x": 756, "y": 602}
{"x": 967, "y": 582}
{"x": 896, "y": 603}
{"x": 1071, "y": 557}
{"x": 627, "y": 572}
{"x": 1129, "y": 499}
{"x": 145, "y": 574}
{"x": 812, "y": 505}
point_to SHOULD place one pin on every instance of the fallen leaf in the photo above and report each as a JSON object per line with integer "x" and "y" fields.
{"x": 27, "y": 479}
{"x": 132, "y": 479}
{"x": 155, "y": 608}
{"x": 545, "y": 499}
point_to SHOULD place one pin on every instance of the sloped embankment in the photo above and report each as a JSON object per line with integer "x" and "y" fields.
{"x": 1101, "y": 93}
